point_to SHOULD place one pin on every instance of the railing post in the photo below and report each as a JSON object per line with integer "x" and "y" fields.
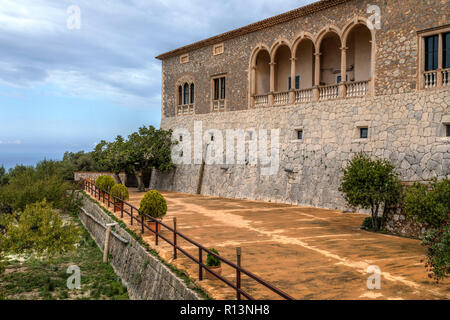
{"x": 142, "y": 225}
{"x": 238, "y": 272}
{"x": 114, "y": 205}
{"x": 121, "y": 208}
{"x": 109, "y": 200}
{"x": 156, "y": 232}
{"x": 174, "y": 238}
{"x": 200, "y": 267}
{"x": 131, "y": 213}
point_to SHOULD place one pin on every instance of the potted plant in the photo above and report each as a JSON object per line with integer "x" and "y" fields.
{"x": 119, "y": 191}
{"x": 153, "y": 204}
{"x": 213, "y": 263}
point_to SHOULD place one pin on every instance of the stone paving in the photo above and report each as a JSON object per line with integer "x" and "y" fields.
{"x": 309, "y": 253}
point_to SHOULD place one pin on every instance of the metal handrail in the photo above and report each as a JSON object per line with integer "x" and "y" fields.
{"x": 94, "y": 190}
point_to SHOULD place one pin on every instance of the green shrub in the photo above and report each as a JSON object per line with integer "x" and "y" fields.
{"x": 105, "y": 183}
{"x": 153, "y": 204}
{"x": 212, "y": 261}
{"x": 370, "y": 184}
{"x": 429, "y": 205}
{"x": 99, "y": 181}
{"x": 438, "y": 253}
{"x": 120, "y": 191}
{"x": 368, "y": 223}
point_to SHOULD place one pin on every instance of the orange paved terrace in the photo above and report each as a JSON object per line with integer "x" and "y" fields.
{"x": 309, "y": 253}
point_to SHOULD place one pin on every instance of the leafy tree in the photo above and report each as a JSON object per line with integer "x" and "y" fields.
{"x": 370, "y": 184}
{"x": 116, "y": 157}
{"x": 37, "y": 230}
{"x": 431, "y": 205}
{"x": 3, "y": 176}
{"x": 147, "y": 149}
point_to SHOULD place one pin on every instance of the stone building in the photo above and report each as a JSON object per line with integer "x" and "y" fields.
{"x": 335, "y": 77}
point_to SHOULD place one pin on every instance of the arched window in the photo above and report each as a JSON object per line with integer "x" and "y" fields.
{"x": 180, "y": 95}
{"x": 186, "y": 94}
{"x": 192, "y": 93}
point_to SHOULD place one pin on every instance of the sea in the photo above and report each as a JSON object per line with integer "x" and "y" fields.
{"x": 11, "y": 159}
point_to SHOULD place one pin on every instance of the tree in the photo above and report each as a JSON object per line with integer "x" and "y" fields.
{"x": 3, "y": 176}
{"x": 147, "y": 149}
{"x": 116, "y": 157}
{"x": 36, "y": 230}
{"x": 370, "y": 184}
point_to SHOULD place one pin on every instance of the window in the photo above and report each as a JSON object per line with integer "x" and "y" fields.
{"x": 192, "y": 93}
{"x": 447, "y": 130}
{"x": 299, "y": 134}
{"x": 431, "y": 52}
{"x": 181, "y": 139}
{"x": 218, "y": 49}
{"x": 180, "y": 95}
{"x": 186, "y": 94}
{"x": 297, "y": 83}
{"x": 364, "y": 133}
{"x": 184, "y": 58}
{"x": 339, "y": 79}
{"x": 446, "y": 50}
{"x": 219, "y": 94}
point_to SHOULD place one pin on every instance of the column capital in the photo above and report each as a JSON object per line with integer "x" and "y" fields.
{"x": 272, "y": 63}
{"x": 317, "y": 54}
{"x": 344, "y": 48}
{"x": 293, "y": 59}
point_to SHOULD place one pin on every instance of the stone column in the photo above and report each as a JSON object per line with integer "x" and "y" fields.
{"x": 342, "y": 85}
{"x": 252, "y": 86}
{"x": 316, "y": 76}
{"x": 293, "y": 88}
{"x": 272, "y": 83}
{"x": 440, "y": 62}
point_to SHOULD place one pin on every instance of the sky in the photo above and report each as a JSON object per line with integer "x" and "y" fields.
{"x": 70, "y": 78}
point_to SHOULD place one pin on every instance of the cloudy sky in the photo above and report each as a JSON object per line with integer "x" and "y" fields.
{"x": 64, "y": 88}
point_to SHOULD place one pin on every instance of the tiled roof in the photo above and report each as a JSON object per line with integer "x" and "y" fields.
{"x": 266, "y": 23}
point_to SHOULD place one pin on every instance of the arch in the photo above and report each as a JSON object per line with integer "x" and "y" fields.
{"x": 359, "y": 53}
{"x": 261, "y": 67}
{"x": 324, "y": 32}
{"x": 255, "y": 53}
{"x": 299, "y": 38}
{"x": 282, "y": 67}
{"x": 355, "y": 22}
{"x": 304, "y": 62}
{"x": 329, "y": 47}
{"x": 277, "y": 45}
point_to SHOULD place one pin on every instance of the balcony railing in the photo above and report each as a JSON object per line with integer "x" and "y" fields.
{"x": 357, "y": 89}
{"x": 219, "y": 105}
{"x": 305, "y": 95}
{"x": 185, "y": 109}
{"x": 329, "y": 92}
{"x": 281, "y": 98}
{"x": 430, "y": 79}
{"x": 261, "y": 100}
{"x": 446, "y": 77}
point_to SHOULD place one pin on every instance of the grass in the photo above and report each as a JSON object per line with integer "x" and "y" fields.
{"x": 29, "y": 278}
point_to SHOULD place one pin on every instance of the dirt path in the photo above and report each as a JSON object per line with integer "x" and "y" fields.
{"x": 309, "y": 253}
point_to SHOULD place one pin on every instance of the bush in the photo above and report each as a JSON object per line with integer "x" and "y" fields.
{"x": 368, "y": 223}
{"x": 153, "y": 204}
{"x": 120, "y": 191}
{"x": 105, "y": 183}
{"x": 431, "y": 206}
{"x": 370, "y": 184}
{"x": 438, "y": 253}
{"x": 212, "y": 261}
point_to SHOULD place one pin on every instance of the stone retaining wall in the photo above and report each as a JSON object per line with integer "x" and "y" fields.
{"x": 142, "y": 273}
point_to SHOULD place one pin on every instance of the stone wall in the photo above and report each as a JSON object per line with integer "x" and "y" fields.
{"x": 94, "y": 175}
{"x": 407, "y": 129}
{"x": 142, "y": 273}
{"x": 396, "y": 60}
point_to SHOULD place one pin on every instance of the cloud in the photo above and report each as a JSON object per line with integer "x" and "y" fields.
{"x": 112, "y": 56}
{"x": 10, "y": 142}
